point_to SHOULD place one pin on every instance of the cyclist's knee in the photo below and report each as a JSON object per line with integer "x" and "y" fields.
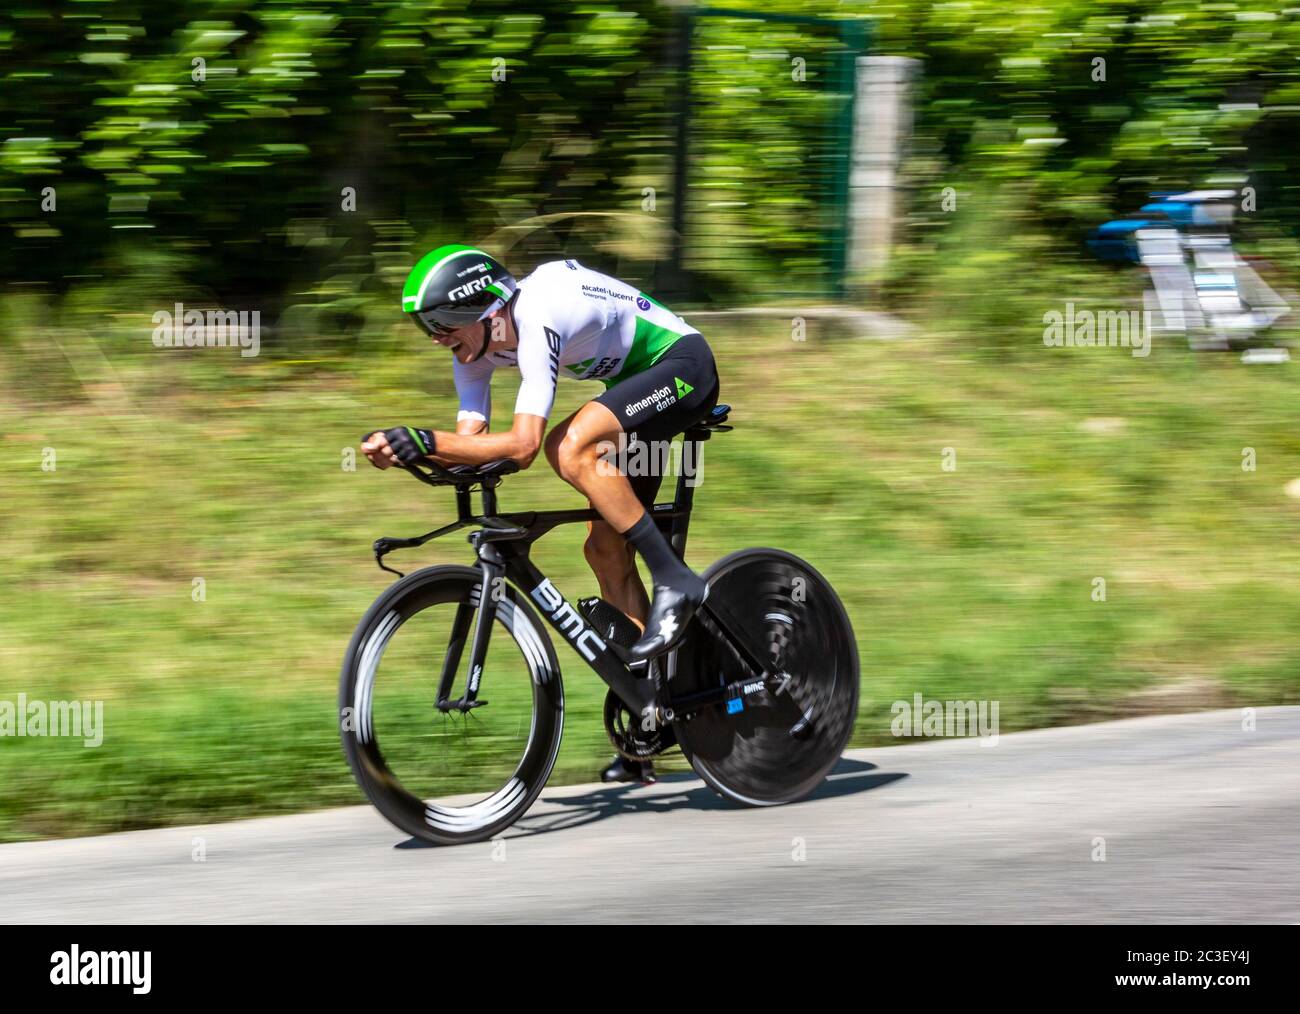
{"x": 582, "y": 442}
{"x": 573, "y": 456}
{"x": 566, "y": 450}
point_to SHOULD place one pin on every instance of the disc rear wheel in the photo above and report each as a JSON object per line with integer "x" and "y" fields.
{"x": 784, "y": 739}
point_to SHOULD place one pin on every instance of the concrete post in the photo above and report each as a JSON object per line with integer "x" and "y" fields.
{"x": 882, "y": 125}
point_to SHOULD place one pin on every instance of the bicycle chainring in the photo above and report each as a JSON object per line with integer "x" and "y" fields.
{"x": 629, "y": 738}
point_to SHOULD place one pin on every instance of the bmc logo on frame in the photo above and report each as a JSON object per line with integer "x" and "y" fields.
{"x": 567, "y": 620}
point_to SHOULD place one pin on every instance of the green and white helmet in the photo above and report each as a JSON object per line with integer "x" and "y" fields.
{"x": 453, "y": 286}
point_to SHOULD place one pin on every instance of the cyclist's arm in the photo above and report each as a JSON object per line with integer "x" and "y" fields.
{"x": 472, "y": 444}
{"x": 538, "y": 357}
{"x": 464, "y": 427}
{"x": 474, "y": 392}
{"x": 468, "y": 446}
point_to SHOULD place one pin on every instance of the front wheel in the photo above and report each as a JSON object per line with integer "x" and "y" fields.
{"x": 406, "y": 754}
{"x": 781, "y": 743}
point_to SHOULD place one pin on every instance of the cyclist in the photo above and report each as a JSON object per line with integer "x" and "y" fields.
{"x": 659, "y": 378}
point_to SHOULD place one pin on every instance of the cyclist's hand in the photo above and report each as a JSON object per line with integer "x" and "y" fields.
{"x": 375, "y": 447}
{"x": 401, "y": 445}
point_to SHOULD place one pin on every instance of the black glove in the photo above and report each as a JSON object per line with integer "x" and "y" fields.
{"x": 410, "y": 445}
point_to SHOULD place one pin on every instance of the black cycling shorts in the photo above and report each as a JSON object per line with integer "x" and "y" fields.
{"x": 669, "y": 398}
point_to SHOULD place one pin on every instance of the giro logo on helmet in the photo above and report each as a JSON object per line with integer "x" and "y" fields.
{"x": 469, "y": 288}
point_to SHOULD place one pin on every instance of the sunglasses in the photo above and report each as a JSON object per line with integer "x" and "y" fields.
{"x": 435, "y": 326}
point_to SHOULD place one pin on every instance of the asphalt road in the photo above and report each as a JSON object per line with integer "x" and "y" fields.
{"x": 1200, "y": 821}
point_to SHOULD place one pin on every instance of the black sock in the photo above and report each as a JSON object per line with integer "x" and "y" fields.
{"x": 665, "y": 567}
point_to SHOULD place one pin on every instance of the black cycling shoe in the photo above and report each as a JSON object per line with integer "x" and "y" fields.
{"x": 670, "y": 612}
{"x": 624, "y": 770}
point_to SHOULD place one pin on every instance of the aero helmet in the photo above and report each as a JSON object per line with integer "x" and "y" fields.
{"x": 455, "y": 285}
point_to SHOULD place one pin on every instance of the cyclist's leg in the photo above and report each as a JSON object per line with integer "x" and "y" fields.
{"x": 610, "y": 556}
{"x": 654, "y": 405}
{"x": 613, "y": 560}
{"x": 581, "y": 450}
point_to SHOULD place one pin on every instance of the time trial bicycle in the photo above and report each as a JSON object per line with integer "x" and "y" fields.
{"x": 760, "y": 694}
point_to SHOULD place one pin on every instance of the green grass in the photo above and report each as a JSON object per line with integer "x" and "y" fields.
{"x": 974, "y": 583}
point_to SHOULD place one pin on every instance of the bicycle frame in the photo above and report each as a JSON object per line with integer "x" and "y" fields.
{"x": 502, "y": 544}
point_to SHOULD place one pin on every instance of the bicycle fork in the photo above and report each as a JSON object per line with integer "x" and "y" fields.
{"x": 481, "y": 615}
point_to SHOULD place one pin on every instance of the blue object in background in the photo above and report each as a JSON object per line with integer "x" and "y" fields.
{"x": 1178, "y": 212}
{"x": 1117, "y": 240}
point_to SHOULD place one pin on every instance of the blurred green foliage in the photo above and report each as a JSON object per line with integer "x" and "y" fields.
{"x": 768, "y": 155}
{"x": 1047, "y": 120}
{"x": 210, "y": 144}
{"x": 220, "y": 137}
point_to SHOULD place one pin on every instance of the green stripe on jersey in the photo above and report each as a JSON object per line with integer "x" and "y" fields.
{"x": 649, "y": 344}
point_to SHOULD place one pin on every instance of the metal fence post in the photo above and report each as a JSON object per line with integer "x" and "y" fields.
{"x": 677, "y": 284}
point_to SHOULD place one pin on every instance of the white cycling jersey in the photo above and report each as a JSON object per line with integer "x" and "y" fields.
{"x": 568, "y": 317}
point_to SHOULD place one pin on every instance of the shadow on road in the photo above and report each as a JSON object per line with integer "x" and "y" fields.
{"x": 566, "y": 812}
